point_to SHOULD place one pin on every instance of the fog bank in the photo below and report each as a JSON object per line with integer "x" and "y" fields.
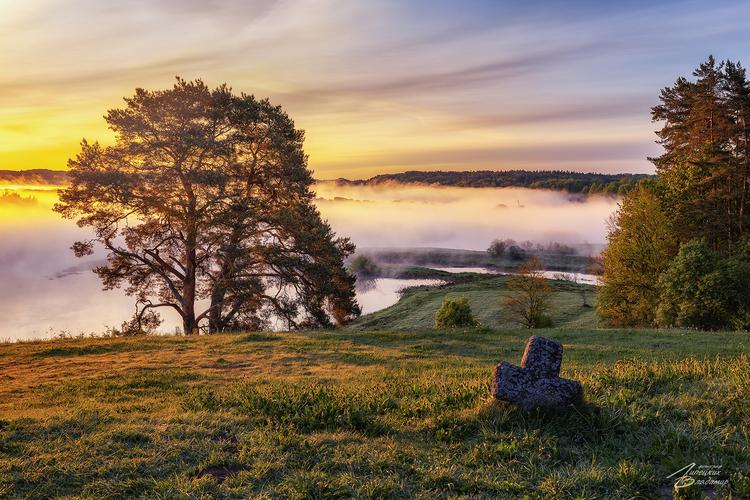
{"x": 469, "y": 218}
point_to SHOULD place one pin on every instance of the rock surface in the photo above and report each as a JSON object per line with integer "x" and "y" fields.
{"x": 537, "y": 382}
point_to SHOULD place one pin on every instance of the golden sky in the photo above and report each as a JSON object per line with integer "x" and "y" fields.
{"x": 378, "y": 86}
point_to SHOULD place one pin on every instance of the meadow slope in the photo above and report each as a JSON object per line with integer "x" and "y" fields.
{"x": 485, "y": 293}
{"x": 366, "y": 414}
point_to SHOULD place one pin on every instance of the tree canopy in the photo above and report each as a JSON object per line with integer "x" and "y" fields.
{"x": 640, "y": 247}
{"x": 205, "y": 197}
{"x": 571, "y": 182}
{"x": 678, "y": 244}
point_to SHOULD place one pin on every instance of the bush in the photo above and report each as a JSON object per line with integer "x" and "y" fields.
{"x": 702, "y": 289}
{"x": 542, "y": 321}
{"x": 497, "y": 248}
{"x": 516, "y": 253}
{"x": 455, "y": 313}
{"x": 364, "y": 267}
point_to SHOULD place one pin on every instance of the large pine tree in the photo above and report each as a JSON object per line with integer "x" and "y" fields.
{"x": 704, "y": 168}
{"x": 701, "y": 193}
{"x": 205, "y": 195}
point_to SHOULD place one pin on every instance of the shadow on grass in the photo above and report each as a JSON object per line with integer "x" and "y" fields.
{"x": 113, "y": 347}
{"x": 256, "y": 337}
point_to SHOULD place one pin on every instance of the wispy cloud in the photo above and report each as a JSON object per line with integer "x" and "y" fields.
{"x": 376, "y": 85}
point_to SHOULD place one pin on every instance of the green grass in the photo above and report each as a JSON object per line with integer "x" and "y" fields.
{"x": 367, "y": 414}
{"x": 486, "y": 294}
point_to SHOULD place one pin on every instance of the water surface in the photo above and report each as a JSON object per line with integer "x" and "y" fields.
{"x": 45, "y": 290}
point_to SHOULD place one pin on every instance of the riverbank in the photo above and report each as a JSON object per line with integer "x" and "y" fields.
{"x": 571, "y": 304}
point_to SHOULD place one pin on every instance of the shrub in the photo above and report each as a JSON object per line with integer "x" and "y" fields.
{"x": 702, "y": 289}
{"x": 516, "y": 253}
{"x": 364, "y": 267}
{"x": 497, "y": 248}
{"x": 455, "y": 312}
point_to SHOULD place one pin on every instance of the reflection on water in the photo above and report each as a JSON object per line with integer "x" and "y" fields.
{"x": 589, "y": 279}
{"x": 480, "y": 270}
{"x": 44, "y": 289}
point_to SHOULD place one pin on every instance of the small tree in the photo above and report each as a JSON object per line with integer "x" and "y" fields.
{"x": 363, "y": 266}
{"x": 455, "y": 312}
{"x": 528, "y": 301}
{"x": 702, "y": 289}
{"x": 497, "y": 249}
{"x": 516, "y": 253}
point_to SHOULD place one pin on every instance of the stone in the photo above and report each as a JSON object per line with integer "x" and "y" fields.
{"x": 537, "y": 382}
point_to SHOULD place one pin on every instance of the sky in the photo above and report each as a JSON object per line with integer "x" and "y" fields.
{"x": 378, "y": 86}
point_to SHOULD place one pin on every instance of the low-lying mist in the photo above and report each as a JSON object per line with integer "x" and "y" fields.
{"x": 44, "y": 289}
{"x": 470, "y": 218}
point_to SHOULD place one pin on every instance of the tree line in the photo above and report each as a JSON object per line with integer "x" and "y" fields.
{"x": 570, "y": 182}
{"x": 679, "y": 245}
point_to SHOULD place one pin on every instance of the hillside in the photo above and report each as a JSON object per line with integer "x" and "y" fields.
{"x": 418, "y": 305}
{"x": 344, "y": 414}
{"x": 571, "y": 182}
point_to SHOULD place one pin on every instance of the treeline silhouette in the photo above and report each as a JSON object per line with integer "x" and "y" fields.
{"x": 571, "y": 182}
{"x": 35, "y": 176}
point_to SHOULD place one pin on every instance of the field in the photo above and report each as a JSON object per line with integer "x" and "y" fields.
{"x": 367, "y": 414}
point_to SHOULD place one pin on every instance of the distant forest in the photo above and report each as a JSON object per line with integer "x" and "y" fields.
{"x": 34, "y": 177}
{"x": 571, "y": 182}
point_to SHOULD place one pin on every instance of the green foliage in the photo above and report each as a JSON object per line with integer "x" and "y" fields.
{"x": 640, "y": 247}
{"x": 701, "y": 192}
{"x": 705, "y": 168}
{"x": 455, "y": 312}
{"x": 702, "y": 289}
{"x": 515, "y": 251}
{"x": 571, "y": 182}
{"x": 364, "y": 266}
{"x": 529, "y": 298}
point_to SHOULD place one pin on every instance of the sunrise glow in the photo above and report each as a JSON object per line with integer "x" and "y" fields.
{"x": 378, "y": 86}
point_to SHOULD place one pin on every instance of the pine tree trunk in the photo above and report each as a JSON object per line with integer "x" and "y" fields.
{"x": 188, "y": 288}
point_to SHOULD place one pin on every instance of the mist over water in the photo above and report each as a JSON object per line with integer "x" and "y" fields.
{"x": 45, "y": 290}
{"x": 468, "y": 218}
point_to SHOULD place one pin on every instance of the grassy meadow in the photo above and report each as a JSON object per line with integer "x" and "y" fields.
{"x": 417, "y": 307}
{"x": 366, "y": 414}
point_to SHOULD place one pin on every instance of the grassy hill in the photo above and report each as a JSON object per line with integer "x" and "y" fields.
{"x": 367, "y": 414}
{"x": 485, "y": 293}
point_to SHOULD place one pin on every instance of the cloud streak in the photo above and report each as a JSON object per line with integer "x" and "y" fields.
{"x": 376, "y": 85}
